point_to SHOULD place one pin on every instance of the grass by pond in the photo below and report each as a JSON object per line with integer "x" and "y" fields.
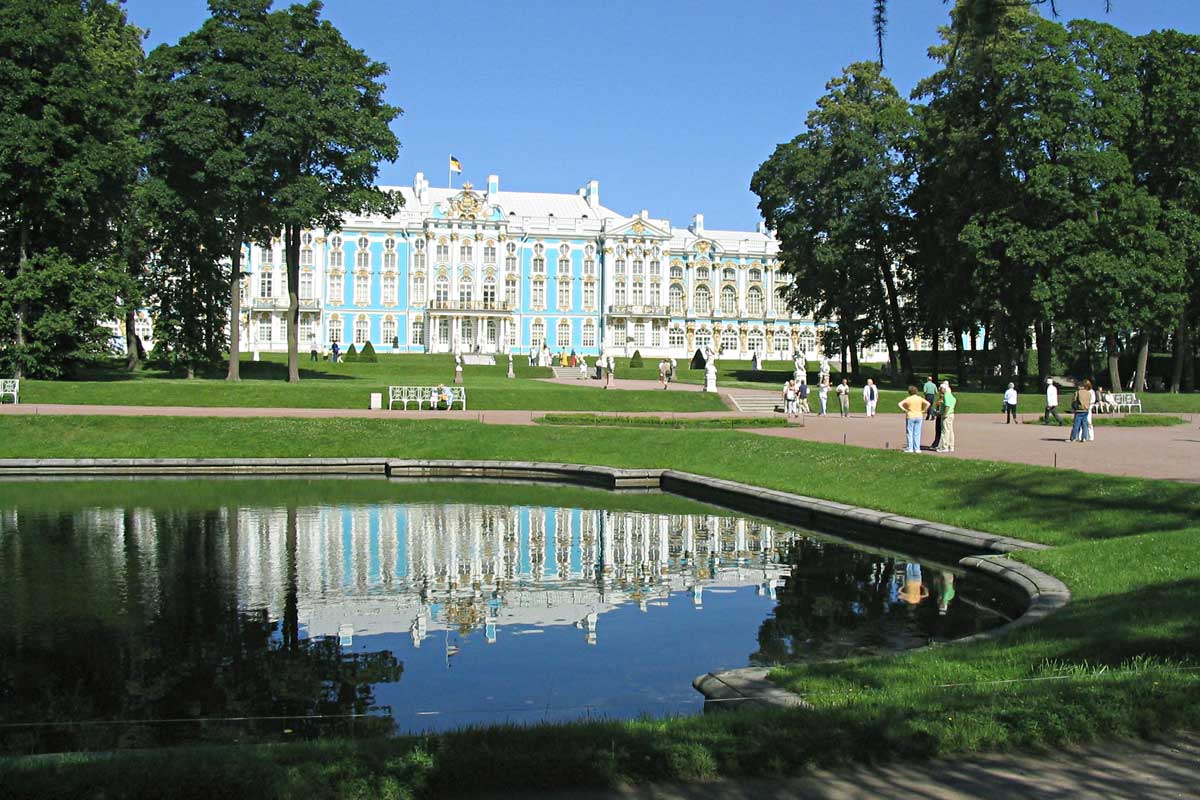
{"x": 327, "y": 385}
{"x": 1117, "y": 661}
{"x": 720, "y": 423}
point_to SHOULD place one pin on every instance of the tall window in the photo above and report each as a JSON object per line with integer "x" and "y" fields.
{"x": 308, "y": 329}
{"x": 306, "y": 285}
{"x": 266, "y": 327}
{"x": 466, "y": 291}
{"x": 537, "y": 333}
{"x": 418, "y": 259}
{"x": 618, "y": 333}
{"x": 755, "y": 341}
{"x": 306, "y": 257}
{"x": 639, "y": 267}
{"x": 337, "y": 256}
{"x": 489, "y": 252}
{"x": 362, "y": 288}
{"x": 362, "y": 331}
{"x": 639, "y": 293}
{"x": 335, "y": 329}
{"x": 564, "y": 267}
{"x": 389, "y": 288}
{"x": 418, "y": 289}
{"x": 619, "y": 297}
{"x": 268, "y": 254}
{"x": 539, "y": 265}
{"x": 510, "y": 291}
{"x": 589, "y": 334}
{"x": 619, "y": 267}
{"x": 418, "y": 332}
{"x": 489, "y": 293}
{"x": 675, "y": 293}
{"x": 639, "y": 334}
{"x": 264, "y": 284}
{"x": 755, "y": 275}
{"x": 701, "y": 273}
{"x": 388, "y": 332}
{"x": 362, "y": 256}
{"x": 728, "y": 301}
{"x": 754, "y": 302}
{"x": 564, "y": 334}
{"x": 466, "y": 253}
{"x": 510, "y": 257}
{"x": 337, "y": 293}
{"x": 703, "y": 338}
{"x": 389, "y": 254}
{"x": 657, "y": 333}
{"x": 589, "y": 296}
{"x": 442, "y": 291}
{"x": 729, "y": 339}
{"x": 655, "y": 268}
{"x": 538, "y": 293}
{"x": 728, "y": 274}
{"x": 782, "y": 343}
{"x": 443, "y": 251}
{"x": 564, "y": 293}
{"x": 676, "y": 273}
{"x": 703, "y": 300}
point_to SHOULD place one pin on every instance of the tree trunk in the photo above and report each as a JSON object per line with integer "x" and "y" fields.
{"x": 985, "y": 367}
{"x": 292, "y": 248}
{"x": 1183, "y": 351}
{"x": 133, "y": 342}
{"x": 889, "y": 282}
{"x": 1114, "y": 365}
{"x": 855, "y": 366}
{"x": 1044, "y": 344}
{"x": 887, "y": 338}
{"x": 23, "y": 305}
{"x": 936, "y": 349}
{"x": 844, "y": 359}
{"x": 1143, "y": 359}
{"x": 235, "y": 315}
{"x": 958, "y": 357}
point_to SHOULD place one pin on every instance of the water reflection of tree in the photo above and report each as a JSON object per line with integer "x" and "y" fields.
{"x": 119, "y": 655}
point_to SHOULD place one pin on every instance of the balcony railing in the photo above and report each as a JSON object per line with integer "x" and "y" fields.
{"x": 470, "y": 305}
{"x": 639, "y": 311}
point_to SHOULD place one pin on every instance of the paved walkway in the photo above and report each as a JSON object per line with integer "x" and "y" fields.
{"x": 1132, "y": 770}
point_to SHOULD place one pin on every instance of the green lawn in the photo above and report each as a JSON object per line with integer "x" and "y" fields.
{"x": 326, "y": 385}
{"x": 1117, "y": 661}
{"x": 691, "y": 423}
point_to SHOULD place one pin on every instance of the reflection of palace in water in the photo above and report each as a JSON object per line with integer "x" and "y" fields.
{"x": 362, "y": 570}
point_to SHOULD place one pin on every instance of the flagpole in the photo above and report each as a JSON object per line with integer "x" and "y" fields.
{"x": 449, "y": 173}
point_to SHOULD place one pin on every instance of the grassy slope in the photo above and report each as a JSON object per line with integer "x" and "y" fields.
{"x": 325, "y": 385}
{"x": 1107, "y": 665}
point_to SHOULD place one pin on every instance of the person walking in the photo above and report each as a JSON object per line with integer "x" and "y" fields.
{"x": 929, "y": 390}
{"x": 843, "y": 393}
{"x": 789, "y": 398}
{"x": 1051, "y": 403}
{"x": 823, "y": 396}
{"x": 663, "y": 366}
{"x": 949, "y": 402}
{"x": 336, "y": 353}
{"x": 1010, "y": 405}
{"x": 871, "y": 396}
{"x": 583, "y": 368}
{"x": 914, "y": 407}
{"x": 1081, "y": 404}
{"x": 803, "y": 392}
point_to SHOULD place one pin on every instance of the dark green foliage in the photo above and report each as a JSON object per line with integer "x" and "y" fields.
{"x": 636, "y": 360}
{"x": 368, "y": 353}
{"x": 351, "y": 354}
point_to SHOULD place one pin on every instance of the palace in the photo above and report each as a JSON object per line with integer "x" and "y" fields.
{"x": 464, "y": 270}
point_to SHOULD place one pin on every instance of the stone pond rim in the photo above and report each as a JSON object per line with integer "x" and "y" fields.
{"x": 974, "y": 550}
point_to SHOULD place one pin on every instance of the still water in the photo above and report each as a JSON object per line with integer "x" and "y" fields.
{"x": 143, "y": 613}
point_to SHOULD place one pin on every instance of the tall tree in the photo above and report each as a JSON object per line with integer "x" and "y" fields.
{"x": 68, "y": 158}
{"x": 834, "y": 195}
{"x": 326, "y": 129}
{"x": 206, "y": 106}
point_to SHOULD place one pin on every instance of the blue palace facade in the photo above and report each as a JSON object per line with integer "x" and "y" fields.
{"x": 466, "y": 270}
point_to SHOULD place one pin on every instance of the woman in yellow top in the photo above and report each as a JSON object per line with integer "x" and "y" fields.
{"x": 914, "y": 407}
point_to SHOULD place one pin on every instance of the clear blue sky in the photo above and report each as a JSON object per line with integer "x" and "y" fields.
{"x": 671, "y": 105}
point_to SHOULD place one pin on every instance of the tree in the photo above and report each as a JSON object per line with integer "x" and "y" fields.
{"x": 834, "y": 196}
{"x": 206, "y": 106}
{"x": 324, "y": 132}
{"x": 68, "y": 158}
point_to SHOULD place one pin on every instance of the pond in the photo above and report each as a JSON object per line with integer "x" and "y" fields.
{"x": 152, "y": 612}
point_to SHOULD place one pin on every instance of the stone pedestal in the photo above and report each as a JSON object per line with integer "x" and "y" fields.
{"x": 255, "y": 356}
{"x": 376, "y": 401}
{"x": 458, "y": 373}
{"x": 511, "y": 374}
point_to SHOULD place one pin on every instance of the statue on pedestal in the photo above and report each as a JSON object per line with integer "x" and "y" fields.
{"x": 800, "y": 366}
{"x": 710, "y": 369}
{"x": 511, "y": 374}
{"x": 825, "y": 369}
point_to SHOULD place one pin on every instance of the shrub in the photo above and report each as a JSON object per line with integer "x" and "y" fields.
{"x": 368, "y": 354}
{"x": 636, "y": 361}
{"x": 351, "y": 354}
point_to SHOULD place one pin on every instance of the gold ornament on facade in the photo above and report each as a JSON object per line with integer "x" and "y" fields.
{"x": 466, "y": 204}
{"x": 702, "y": 247}
{"x": 638, "y": 226}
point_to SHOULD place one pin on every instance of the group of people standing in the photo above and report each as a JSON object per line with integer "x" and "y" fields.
{"x": 666, "y": 371}
{"x": 937, "y": 405}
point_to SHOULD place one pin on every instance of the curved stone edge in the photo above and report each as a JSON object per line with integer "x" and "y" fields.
{"x": 1046, "y": 594}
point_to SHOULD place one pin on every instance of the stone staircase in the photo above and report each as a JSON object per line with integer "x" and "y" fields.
{"x": 566, "y": 372}
{"x": 755, "y": 403}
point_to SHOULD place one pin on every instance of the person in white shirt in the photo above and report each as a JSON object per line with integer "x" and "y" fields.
{"x": 823, "y": 395}
{"x": 790, "y": 398}
{"x": 1010, "y": 405}
{"x": 1051, "y": 403}
{"x": 843, "y": 393}
{"x": 871, "y": 396}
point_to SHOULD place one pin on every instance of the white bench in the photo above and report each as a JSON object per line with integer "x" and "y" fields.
{"x": 1128, "y": 401}
{"x": 425, "y": 395}
{"x": 10, "y": 387}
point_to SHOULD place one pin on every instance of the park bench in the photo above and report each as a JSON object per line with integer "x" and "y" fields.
{"x": 10, "y": 387}
{"x": 1128, "y": 400}
{"x": 425, "y": 395}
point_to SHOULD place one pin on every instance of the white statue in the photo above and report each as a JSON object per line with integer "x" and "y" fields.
{"x": 800, "y": 366}
{"x": 825, "y": 368}
{"x": 710, "y": 374}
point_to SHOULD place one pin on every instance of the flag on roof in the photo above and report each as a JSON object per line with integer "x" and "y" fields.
{"x": 455, "y": 164}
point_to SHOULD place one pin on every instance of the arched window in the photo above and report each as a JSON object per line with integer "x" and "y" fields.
{"x": 335, "y": 328}
{"x": 362, "y": 288}
{"x": 676, "y": 273}
{"x": 589, "y": 334}
{"x": 362, "y": 330}
{"x": 754, "y": 301}
{"x": 808, "y": 341}
{"x": 442, "y": 291}
{"x": 755, "y": 275}
{"x": 675, "y": 293}
{"x": 783, "y": 342}
{"x": 418, "y": 289}
{"x": 489, "y": 292}
{"x": 675, "y": 337}
{"x": 728, "y": 274}
{"x": 728, "y": 301}
{"x": 701, "y": 273}
{"x": 755, "y": 341}
{"x": 389, "y": 288}
{"x": 466, "y": 290}
{"x": 703, "y": 338}
{"x": 703, "y": 300}
{"x": 510, "y": 291}
{"x": 564, "y": 334}
{"x": 729, "y": 340}
{"x": 418, "y": 332}
{"x": 362, "y": 256}
{"x": 537, "y": 333}
{"x": 388, "y": 331}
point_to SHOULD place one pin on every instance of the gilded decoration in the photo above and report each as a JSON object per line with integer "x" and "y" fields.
{"x": 702, "y": 247}
{"x": 467, "y": 204}
{"x": 638, "y": 226}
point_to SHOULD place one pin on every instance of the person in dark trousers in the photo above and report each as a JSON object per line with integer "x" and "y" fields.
{"x": 930, "y": 392}
{"x": 1010, "y": 405}
{"x": 1052, "y": 403}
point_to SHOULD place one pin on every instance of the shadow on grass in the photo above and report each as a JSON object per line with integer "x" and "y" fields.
{"x": 1090, "y": 508}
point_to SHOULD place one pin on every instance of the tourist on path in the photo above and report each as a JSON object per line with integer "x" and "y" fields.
{"x": 583, "y": 368}
{"x": 1010, "y": 405}
{"x": 937, "y": 421}
{"x": 1081, "y": 404}
{"x": 843, "y": 393}
{"x": 914, "y": 407}
{"x": 790, "y": 399}
{"x": 804, "y": 409}
{"x": 929, "y": 390}
{"x": 949, "y": 402}
{"x": 663, "y": 366}
{"x": 823, "y": 396}
{"x": 871, "y": 396}
{"x": 1051, "y": 403}
{"x": 337, "y": 353}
